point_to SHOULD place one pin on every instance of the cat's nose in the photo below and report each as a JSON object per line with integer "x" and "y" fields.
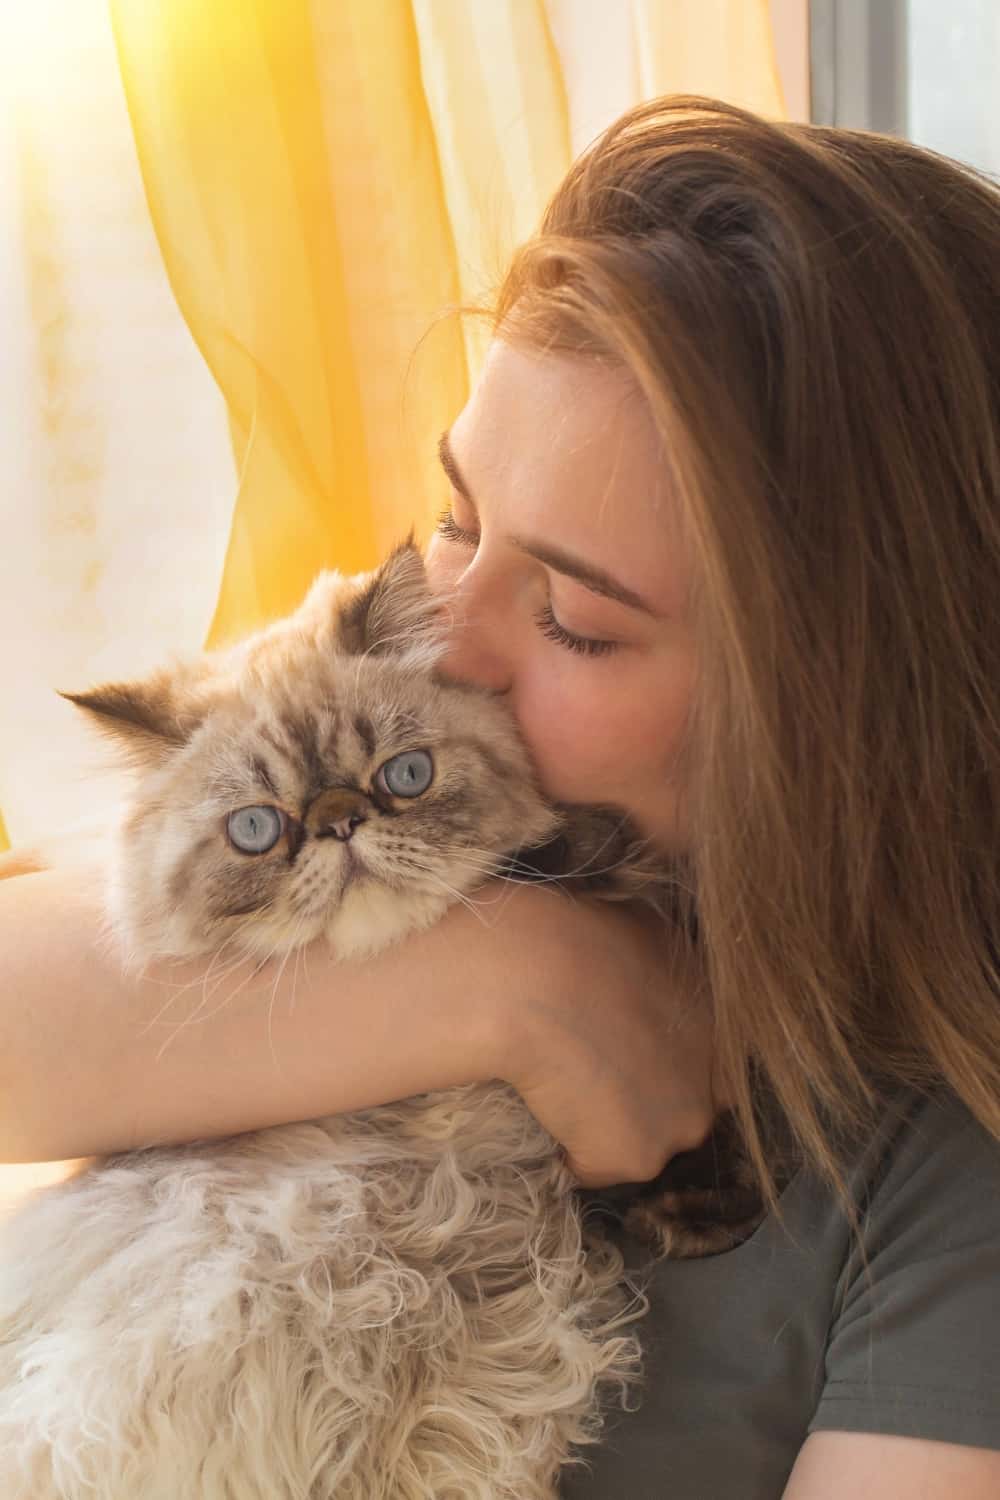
{"x": 336, "y": 813}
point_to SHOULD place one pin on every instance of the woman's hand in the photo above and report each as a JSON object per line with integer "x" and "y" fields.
{"x": 610, "y": 1045}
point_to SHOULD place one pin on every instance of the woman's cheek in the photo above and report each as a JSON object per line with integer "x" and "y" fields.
{"x": 571, "y": 735}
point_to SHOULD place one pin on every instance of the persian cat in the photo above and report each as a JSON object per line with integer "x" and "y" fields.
{"x": 406, "y": 1301}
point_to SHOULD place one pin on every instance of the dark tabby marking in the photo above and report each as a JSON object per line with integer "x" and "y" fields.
{"x": 365, "y": 732}
{"x": 263, "y": 775}
{"x": 704, "y": 1202}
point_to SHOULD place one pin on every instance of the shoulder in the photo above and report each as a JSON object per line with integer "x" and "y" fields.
{"x": 914, "y": 1342}
{"x": 932, "y": 1183}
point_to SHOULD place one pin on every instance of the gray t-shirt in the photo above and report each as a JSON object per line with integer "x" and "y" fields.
{"x": 748, "y": 1352}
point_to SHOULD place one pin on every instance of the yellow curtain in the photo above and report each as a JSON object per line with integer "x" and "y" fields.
{"x": 322, "y": 180}
{"x": 292, "y": 178}
{"x": 119, "y": 476}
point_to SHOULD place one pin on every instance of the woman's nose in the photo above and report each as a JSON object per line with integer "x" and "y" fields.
{"x": 472, "y": 655}
{"x": 478, "y": 649}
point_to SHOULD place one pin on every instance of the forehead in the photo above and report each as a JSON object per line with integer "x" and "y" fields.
{"x": 302, "y": 716}
{"x": 563, "y": 449}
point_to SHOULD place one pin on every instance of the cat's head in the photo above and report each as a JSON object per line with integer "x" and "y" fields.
{"x": 318, "y": 778}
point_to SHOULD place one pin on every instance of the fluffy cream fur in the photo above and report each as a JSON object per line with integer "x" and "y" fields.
{"x": 403, "y": 1302}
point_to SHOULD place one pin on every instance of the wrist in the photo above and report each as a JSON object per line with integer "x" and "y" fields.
{"x": 540, "y": 952}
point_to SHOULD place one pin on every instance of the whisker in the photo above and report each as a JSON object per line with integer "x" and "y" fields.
{"x": 469, "y": 901}
{"x": 292, "y": 947}
{"x": 456, "y": 895}
{"x": 305, "y": 969}
{"x": 300, "y": 949}
{"x": 200, "y": 1015}
{"x": 180, "y": 990}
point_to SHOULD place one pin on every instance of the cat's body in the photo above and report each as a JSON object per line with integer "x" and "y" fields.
{"x": 402, "y": 1302}
{"x": 396, "y": 1303}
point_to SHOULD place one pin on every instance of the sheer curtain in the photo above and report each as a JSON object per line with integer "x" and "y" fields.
{"x": 228, "y": 231}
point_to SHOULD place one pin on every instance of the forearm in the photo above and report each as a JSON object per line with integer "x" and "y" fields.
{"x": 94, "y": 1060}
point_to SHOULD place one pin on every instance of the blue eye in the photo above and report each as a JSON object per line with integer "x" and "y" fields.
{"x": 406, "y": 775}
{"x": 254, "y": 830}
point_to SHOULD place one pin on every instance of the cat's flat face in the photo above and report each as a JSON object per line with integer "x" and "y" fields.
{"x": 319, "y": 779}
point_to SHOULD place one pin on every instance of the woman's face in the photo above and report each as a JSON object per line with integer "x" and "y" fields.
{"x": 569, "y": 582}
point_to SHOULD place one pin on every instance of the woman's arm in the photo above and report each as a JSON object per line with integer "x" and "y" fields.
{"x": 877, "y": 1466}
{"x": 93, "y": 1059}
{"x": 20, "y": 862}
{"x": 550, "y": 994}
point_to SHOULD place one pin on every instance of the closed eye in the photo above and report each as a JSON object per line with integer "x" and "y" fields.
{"x": 448, "y": 527}
{"x": 582, "y": 644}
{"x": 546, "y": 621}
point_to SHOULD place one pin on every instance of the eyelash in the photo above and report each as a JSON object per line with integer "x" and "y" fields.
{"x": 449, "y": 527}
{"x": 546, "y": 621}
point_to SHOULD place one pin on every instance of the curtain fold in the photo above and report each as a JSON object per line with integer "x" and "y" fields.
{"x": 235, "y": 231}
{"x": 494, "y": 89}
{"x": 119, "y": 476}
{"x": 274, "y": 225}
{"x": 712, "y": 47}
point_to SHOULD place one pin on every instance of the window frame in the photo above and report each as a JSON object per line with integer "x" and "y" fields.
{"x": 858, "y": 72}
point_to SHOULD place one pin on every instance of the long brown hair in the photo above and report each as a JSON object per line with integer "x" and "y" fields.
{"x": 812, "y": 315}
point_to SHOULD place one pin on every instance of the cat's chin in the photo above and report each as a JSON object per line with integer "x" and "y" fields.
{"x": 367, "y": 918}
{"x": 371, "y": 917}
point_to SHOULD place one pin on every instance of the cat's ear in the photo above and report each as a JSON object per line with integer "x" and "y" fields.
{"x": 147, "y": 719}
{"x": 394, "y": 612}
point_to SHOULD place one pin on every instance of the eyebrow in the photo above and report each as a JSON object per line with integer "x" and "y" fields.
{"x": 592, "y": 577}
{"x": 262, "y": 775}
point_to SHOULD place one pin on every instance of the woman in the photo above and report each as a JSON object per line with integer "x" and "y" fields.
{"x": 724, "y": 531}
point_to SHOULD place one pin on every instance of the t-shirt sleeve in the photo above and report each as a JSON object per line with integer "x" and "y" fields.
{"x": 914, "y": 1346}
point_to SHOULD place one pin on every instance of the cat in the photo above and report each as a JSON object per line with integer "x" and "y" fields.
{"x": 407, "y": 1301}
